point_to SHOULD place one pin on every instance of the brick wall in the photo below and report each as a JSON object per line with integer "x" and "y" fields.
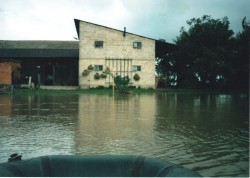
{"x": 6, "y": 69}
{"x": 5, "y": 73}
{"x": 118, "y": 48}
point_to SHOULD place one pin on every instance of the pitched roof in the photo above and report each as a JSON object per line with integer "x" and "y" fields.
{"x": 162, "y": 47}
{"x": 38, "y": 49}
{"x": 77, "y": 23}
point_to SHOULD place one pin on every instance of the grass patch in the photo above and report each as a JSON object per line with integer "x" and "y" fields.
{"x": 48, "y": 92}
{"x": 110, "y": 91}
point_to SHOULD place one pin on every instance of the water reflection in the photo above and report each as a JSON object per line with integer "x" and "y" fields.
{"x": 207, "y": 133}
{"x": 36, "y": 125}
{"x": 113, "y": 125}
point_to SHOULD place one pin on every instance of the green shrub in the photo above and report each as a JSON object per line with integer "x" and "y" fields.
{"x": 90, "y": 67}
{"x": 97, "y": 76}
{"x": 136, "y": 77}
{"x": 122, "y": 83}
{"x": 103, "y": 75}
{"x": 107, "y": 71}
{"x": 85, "y": 73}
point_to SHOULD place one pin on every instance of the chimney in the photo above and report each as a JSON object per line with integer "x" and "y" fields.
{"x": 124, "y": 32}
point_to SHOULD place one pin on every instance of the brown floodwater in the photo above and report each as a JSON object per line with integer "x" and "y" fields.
{"x": 208, "y": 133}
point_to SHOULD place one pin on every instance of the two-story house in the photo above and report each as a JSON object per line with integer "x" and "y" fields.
{"x": 102, "y": 48}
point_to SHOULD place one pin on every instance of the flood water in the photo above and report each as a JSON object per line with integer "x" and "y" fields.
{"x": 208, "y": 133}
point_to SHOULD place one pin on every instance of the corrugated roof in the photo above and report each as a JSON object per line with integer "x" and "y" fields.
{"x": 33, "y": 44}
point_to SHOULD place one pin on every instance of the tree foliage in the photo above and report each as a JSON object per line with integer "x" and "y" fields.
{"x": 207, "y": 55}
{"x": 240, "y": 66}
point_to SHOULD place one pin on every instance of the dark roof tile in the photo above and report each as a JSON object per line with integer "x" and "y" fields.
{"x": 32, "y": 44}
{"x": 38, "y": 53}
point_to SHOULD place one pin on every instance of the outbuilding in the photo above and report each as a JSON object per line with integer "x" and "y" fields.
{"x": 45, "y": 62}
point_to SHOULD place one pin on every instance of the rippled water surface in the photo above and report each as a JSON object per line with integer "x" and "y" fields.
{"x": 205, "y": 132}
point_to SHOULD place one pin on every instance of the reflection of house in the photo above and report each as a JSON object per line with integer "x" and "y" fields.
{"x": 123, "y": 53}
{"x": 106, "y": 121}
{"x": 55, "y": 61}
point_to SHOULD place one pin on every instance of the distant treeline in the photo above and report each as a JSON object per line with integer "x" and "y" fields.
{"x": 209, "y": 55}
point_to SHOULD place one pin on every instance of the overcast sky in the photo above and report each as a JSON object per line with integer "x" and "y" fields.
{"x": 158, "y": 19}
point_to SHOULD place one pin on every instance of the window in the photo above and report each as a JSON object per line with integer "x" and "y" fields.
{"x": 98, "y": 67}
{"x": 137, "y": 45}
{"x": 98, "y": 44}
{"x": 136, "y": 68}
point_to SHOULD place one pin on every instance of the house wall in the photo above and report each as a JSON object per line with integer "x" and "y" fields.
{"x": 5, "y": 73}
{"x": 6, "y": 70}
{"x": 118, "y": 48}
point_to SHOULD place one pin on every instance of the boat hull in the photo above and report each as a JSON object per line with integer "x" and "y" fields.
{"x": 93, "y": 166}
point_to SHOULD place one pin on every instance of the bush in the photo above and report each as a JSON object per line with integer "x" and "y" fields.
{"x": 103, "y": 75}
{"x": 136, "y": 77}
{"x": 85, "y": 73}
{"x": 90, "y": 67}
{"x": 97, "y": 76}
{"x": 107, "y": 71}
{"x": 100, "y": 87}
{"x": 122, "y": 83}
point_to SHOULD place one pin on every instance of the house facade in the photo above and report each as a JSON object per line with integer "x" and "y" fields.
{"x": 102, "y": 48}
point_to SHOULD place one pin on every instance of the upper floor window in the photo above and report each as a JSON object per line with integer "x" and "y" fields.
{"x": 98, "y": 44}
{"x": 136, "y": 68}
{"x": 137, "y": 45}
{"x": 98, "y": 67}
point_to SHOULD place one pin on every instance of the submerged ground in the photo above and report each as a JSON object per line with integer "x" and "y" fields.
{"x": 206, "y": 132}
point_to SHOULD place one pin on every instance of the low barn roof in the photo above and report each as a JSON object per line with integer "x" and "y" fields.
{"x": 38, "y": 49}
{"x": 38, "y": 44}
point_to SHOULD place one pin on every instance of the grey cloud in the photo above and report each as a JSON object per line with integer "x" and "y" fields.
{"x": 152, "y": 18}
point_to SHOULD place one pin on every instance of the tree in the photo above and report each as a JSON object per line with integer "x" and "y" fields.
{"x": 240, "y": 65}
{"x": 204, "y": 54}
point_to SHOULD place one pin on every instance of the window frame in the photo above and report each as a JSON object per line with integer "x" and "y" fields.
{"x": 137, "y": 45}
{"x": 136, "y": 68}
{"x": 98, "y": 67}
{"x": 98, "y": 44}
